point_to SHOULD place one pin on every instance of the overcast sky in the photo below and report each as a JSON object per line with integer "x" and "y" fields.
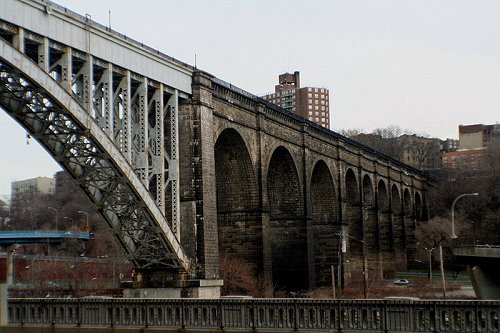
{"x": 424, "y": 65}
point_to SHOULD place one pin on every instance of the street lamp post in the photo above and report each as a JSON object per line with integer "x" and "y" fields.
{"x": 453, "y": 235}
{"x": 55, "y": 214}
{"x": 341, "y": 249}
{"x": 429, "y": 249}
{"x": 69, "y": 219}
{"x": 441, "y": 266}
{"x": 87, "y": 216}
{"x": 430, "y": 263}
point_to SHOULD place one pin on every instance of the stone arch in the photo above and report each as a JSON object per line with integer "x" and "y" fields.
{"x": 325, "y": 222}
{"x": 409, "y": 228}
{"x": 354, "y": 219}
{"x": 398, "y": 228}
{"x": 351, "y": 187}
{"x": 407, "y": 204}
{"x": 370, "y": 222}
{"x": 396, "y": 207}
{"x": 382, "y": 197}
{"x": 237, "y": 193}
{"x": 385, "y": 231}
{"x": 419, "y": 211}
{"x": 324, "y": 200}
{"x": 368, "y": 193}
{"x": 288, "y": 234}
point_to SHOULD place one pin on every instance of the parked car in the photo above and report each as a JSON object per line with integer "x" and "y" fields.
{"x": 401, "y": 282}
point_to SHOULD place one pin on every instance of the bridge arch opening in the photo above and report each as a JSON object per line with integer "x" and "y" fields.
{"x": 386, "y": 240}
{"x": 398, "y": 228}
{"x": 382, "y": 197}
{"x": 288, "y": 233}
{"x": 325, "y": 223}
{"x": 409, "y": 225}
{"x": 396, "y": 207}
{"x": 370, "y": 222}
{"x": 407, "y": 204}
{"x": 419, "y": 212}
{"x": 239, "y": 223}
{"x": 368, "y": 194}
{"x": 355, "y": 230}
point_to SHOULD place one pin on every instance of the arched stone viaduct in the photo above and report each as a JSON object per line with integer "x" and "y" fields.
{"x": 184, "y": 167}
{"x": 278, "y": 192}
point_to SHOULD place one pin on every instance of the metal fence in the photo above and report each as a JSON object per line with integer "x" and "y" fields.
{"x": 268, "y": 314}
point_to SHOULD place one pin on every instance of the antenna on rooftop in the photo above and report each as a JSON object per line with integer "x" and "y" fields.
{"x": 109, "y": 19}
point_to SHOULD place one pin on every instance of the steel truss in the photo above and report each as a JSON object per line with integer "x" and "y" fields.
{"x": 130, "y": 133}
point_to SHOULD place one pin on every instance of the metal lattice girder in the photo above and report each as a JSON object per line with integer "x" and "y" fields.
{"x": 87, "y": 151}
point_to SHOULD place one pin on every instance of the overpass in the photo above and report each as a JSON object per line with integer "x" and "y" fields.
{"x": 11, "y": 240}
{"x": 33, "y": 236}
{"x": 185, "y": 167}
{"x": 482, "y": 261}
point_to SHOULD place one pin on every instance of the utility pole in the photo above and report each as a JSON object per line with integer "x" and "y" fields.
{"x": 442, "y": 267}
{"x": 333, "y": 281}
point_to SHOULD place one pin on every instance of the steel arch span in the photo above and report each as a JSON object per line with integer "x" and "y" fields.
{"x": 78, "y": 143}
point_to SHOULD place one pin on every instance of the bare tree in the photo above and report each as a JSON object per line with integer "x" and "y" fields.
{"x": 238, "y": 275}
{"x": 350, "y": 133}
{"x": 390, "y": 132}
{"x": 29, "y": 210}
{"x": 420, "y": 152}
{"x": 481, "y": 213}
{"x": 4, "y": 214}
{"x": 384, "y": 140}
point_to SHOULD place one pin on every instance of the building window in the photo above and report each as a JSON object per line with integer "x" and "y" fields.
{"x": 310, "y": 95}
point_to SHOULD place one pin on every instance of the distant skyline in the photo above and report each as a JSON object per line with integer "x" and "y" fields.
{"x": 423, "y": 65}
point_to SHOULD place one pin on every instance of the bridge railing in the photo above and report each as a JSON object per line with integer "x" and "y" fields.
{"x": 274, "y": 314}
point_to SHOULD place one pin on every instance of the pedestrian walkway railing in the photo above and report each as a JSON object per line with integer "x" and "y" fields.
{"x": 263, "y": 314}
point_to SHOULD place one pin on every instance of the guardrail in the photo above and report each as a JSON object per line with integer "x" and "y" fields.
{"x": 268, "y": 314}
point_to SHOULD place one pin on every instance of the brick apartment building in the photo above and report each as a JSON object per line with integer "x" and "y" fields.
{"x": 308, "y": 102}
{"x": 474, "y": 141}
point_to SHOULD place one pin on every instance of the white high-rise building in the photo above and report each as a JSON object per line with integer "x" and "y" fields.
{"x": 40, "y": 184}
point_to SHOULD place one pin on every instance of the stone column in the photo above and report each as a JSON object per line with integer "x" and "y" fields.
{"x": 205, "y": 220}
{"x": 267, "y": 258}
